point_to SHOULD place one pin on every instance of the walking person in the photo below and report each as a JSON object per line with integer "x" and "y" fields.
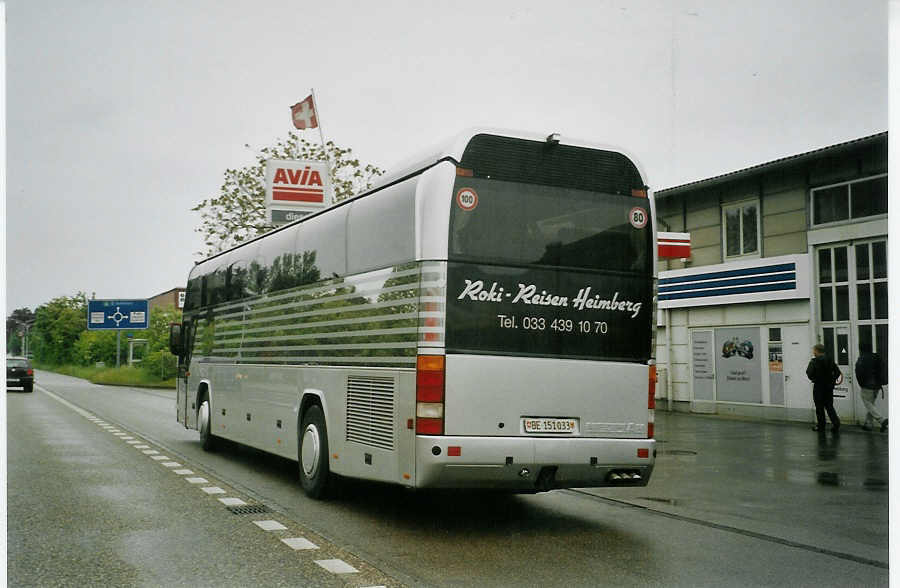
{"x": 870, "y": 376}
{"x": 824, "y": 374}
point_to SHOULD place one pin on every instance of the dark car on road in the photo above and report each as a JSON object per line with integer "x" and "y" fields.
{"x": 19, "y": 373}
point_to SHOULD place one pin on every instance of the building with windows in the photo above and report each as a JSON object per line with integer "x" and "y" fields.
{"x": 173, "y": 297}
{"x": 783, "y": 255}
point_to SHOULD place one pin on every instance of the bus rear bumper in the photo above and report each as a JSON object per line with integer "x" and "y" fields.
{"x": 527, "y": 464}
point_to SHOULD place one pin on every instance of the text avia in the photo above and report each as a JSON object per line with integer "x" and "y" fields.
{"x": 302, "y": 177}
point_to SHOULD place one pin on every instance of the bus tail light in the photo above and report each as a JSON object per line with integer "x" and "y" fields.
{"x": 430, "y": 395}
{"x": 651, "y": 399}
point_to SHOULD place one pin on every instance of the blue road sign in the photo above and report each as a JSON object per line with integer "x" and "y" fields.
{"x": 118, "y": 314}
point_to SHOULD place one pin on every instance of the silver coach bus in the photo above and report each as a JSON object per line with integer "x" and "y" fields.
{"x": 482, "y": 319}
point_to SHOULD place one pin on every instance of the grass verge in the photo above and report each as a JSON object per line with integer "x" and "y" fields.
{"x": 111, "y": 376}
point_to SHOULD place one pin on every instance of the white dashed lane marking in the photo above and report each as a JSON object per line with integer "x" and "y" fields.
{"x": 270, "y": 525}
{"x": 337, "y": 566}
{"x": 298, "y": 543}
{"x": 232, "y": 501}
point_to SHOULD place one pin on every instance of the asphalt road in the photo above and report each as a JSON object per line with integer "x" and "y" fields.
{"x": 731, "y": 504}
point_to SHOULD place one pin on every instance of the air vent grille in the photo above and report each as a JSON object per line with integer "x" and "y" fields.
{"x": 370, "y": 411}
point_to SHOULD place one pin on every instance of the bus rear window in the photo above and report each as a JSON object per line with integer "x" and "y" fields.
{"x": 509, "y": 223}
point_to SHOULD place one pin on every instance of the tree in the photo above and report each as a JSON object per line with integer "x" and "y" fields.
{"x": 57, "y": 326}
{"x": 238, "y": 212}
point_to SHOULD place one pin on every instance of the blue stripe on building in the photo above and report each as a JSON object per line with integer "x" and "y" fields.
{"x": 729, "y": 291}
{"x": 733, "y": 282}
{"x": 781, "y": 267}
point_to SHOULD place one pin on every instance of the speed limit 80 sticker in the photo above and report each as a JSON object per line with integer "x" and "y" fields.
{"x": 467, "y": 199}
{"x": 638, "y": 217}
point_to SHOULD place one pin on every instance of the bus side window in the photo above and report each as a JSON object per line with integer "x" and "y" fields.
{"x": 321, "y": 247}
{"x": 390, "y": 241}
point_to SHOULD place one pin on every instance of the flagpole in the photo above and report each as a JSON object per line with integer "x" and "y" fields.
{"x": 312, "y": 92}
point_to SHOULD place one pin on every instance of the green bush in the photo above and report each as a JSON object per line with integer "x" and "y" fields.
{"x": 160, "y": 364}
{"x": 94, "y": 346}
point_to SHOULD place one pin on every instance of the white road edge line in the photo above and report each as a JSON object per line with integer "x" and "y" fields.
{"x": 65, "y": 402}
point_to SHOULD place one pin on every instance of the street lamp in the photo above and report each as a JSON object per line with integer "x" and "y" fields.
{"x": 27, "y": 326}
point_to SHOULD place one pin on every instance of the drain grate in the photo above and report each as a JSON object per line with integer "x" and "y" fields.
{"x": 678, "y": 452}
{"x": 249, "y": 509}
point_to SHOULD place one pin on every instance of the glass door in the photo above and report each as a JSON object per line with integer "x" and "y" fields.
{"x": 835, "y": 321}
{"x": 852, "y": 290}
{"x": 871, "y": 289}
{"x": 838, "y": 346}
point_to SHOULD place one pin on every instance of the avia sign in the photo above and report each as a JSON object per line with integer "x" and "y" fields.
{"x": 297, "y": 187}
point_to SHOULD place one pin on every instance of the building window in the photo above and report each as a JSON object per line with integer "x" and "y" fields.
{"x": 850, "y": 200}
{"x": 872, "y": 295}
{"x": 741, "y": 228}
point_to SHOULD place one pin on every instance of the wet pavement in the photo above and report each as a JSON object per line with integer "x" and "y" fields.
{"x": 779, "y": 481}
{"x": 731, "y": 503}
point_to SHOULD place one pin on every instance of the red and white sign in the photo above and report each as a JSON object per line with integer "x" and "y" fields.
{"x": 303, "y": 114}
{"x": 467, "y": 199}
{"x": 673, "y": 245}
{"x": 638, "y": 217}
{"x": 297, "y": 185}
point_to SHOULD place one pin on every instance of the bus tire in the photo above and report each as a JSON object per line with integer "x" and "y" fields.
{"x": 204, "y": 424}
{"x": 312, "y": 452}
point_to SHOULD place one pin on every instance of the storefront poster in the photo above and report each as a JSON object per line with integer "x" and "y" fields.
{"x": 702, "y": 365}
{"x": 738, "y": 365}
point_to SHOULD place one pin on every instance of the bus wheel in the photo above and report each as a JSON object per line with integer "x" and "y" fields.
{"x": 207, "y": 440}
{"x": 313, "y": 453}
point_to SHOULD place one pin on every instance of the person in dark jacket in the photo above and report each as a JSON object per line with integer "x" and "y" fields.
{"x": 824, "y": 374}
{"x": 870, "y": 377}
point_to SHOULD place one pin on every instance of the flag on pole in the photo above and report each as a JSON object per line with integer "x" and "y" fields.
{"x": 303, "y": 114}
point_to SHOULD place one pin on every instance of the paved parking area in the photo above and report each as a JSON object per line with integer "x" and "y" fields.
{"x": 777, "y": 480}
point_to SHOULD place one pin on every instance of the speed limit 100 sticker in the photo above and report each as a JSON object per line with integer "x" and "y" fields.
{"x": 638, "y": 217}
{"x": 467, "y": 199}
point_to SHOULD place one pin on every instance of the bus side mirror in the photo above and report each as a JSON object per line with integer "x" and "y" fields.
{"x": 175, "y": 338}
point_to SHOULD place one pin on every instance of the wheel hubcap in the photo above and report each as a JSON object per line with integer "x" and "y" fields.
{"x": 204, "y": 417}
{"x": 309, "y": 451}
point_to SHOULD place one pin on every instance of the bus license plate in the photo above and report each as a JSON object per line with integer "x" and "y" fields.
{"x": 543, "y": 425}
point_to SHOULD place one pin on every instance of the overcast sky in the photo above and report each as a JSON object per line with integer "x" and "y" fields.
{"x": 122, "y": 115}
